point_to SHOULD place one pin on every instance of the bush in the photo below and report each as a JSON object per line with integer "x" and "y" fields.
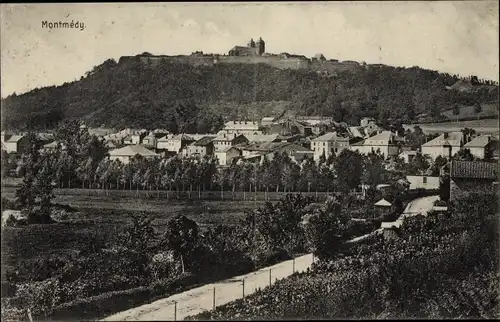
{"x": 99, "y": 306}
{"x": 41, "y": 297}
{"x": 9, "y": 204}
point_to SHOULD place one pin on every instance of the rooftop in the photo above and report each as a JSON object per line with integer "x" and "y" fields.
{"x": 446, "y": 139}
{"x": 206, "y": 140}
{"x": 132, "y": 150}
{"x": 474, "y": 170}
{"x": 480, "y": 141}
{"x": 385, "y": 136}
{"x": 331, "y": 136}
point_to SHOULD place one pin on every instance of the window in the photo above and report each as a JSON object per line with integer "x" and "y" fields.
{"x": 424, "y": 180}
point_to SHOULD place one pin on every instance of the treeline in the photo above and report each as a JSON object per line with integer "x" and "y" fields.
{"x": 174, "y": 96}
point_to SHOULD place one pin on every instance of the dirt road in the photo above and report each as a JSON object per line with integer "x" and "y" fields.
{"x": 202, "y": 298}
{"x": 419, "y": 206}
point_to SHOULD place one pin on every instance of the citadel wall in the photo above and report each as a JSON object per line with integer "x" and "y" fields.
{"x": 274, "y": 61}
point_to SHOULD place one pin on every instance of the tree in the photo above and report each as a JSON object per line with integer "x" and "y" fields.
{"x": 28, "y": 168}
{"x": 477, "y": 108}
{"x": 181, "y": 236}
{"x": 373, "y": 169}
{"x": 464, "y": 155}
{"x": 349, "y": 168}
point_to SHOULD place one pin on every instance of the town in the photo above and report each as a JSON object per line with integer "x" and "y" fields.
{"x": 259, "y": 182}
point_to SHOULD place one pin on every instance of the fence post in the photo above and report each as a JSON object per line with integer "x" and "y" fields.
{"x": 243, "y": 288}
{"x": 269, "y": 277}
{"x": 293, "y": 265}
{"x": 175, "y": 311}
{"x": 214, "y": 298}
{"x": 29, "y": 315}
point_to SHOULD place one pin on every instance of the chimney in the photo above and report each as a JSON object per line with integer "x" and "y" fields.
{"x": 445, "y": 135}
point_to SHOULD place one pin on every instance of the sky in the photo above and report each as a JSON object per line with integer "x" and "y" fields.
{"x": 456, "y": 37}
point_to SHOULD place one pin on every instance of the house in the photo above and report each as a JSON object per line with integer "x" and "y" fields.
{"x": 241, "y": 127}
{"x": 328, "y": 144}
{"x": 128, "y": 152}
{"x": 423, "y": 182}
{"x": 356, "y": 131}
{"x": 408, "y": 156}
{"x": 266, "y": 121}
{"x": 52, "y": 146}
{"x": 262, "y": 138}
{"x": 365, "y": 121}
{"x": 202, "y": 147}
{"x": 13, "y": 143}
{"x": 257, "y": 151}
{"x": 227, "y": 155}
{"x": 151, "y": 140}
{"x": 445, "y": 145}
{"x": 224, "y": 140}
{"x": 134, "y": 139}
{"x": 174, "y": 143}
{"x": 313, "y": 120}
{"x": 383, "y": 142}
{"x": 472, "y": 177}
{"x": 100, "y": 131}
{"x": 482, "y": 146}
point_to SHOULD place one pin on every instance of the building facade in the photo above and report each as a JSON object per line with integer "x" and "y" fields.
{"x": 328, "y": 144}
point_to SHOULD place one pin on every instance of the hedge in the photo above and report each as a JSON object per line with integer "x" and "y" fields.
{"x": 102, "y": 305}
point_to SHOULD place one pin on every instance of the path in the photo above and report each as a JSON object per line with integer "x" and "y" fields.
{"x": 200, "y": 299}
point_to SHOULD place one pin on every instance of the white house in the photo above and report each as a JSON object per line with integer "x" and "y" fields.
{"x": 128, "y": 152}
{"x": 226, "y": 155}
{"x": 13, "y": 143}
{"x": 384, "y": 142}
{"x": 241, "y": 127}
{"x": 174, "y": 143}
{"x": 481, "y": 146}
{"x": 445, "y": 145}
{"x": 423, "y": 182}
{"x": 224, "y": 140}
{"x": 328, "y": 144}
{"x": 408, "y": 156}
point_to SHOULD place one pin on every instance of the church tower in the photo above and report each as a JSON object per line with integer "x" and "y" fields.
{"x": 261, "y": 46}
{"x": 251, "y": 43}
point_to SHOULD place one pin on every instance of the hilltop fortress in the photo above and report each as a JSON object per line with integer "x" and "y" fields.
{"x": 253, "y": 53}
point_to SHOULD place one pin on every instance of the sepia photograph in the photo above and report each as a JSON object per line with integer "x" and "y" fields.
{"x": 250, "y": 160}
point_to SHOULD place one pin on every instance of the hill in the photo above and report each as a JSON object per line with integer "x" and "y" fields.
{"x": 178, "y": 96}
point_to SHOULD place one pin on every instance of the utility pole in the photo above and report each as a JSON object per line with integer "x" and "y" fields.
{"x": 243, "y": 281}
{"x": 175, "y": 311}
{"x": 293, "y": 265}
{"x": 269, "y": 277}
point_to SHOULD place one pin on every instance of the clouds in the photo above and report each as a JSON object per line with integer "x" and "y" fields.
{"x": 457, "y": 37}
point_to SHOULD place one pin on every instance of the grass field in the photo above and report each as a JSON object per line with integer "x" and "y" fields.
{"x": 481, "y": 126}
{"x": 100, "y": 216}
{"x": 487, "y": 109}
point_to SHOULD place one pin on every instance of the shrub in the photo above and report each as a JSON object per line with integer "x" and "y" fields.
{"x": 41, "y": 297}
{"x": 99, "y": 306}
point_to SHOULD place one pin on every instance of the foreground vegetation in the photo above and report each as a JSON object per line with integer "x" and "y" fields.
{"x": 440, "y": 266}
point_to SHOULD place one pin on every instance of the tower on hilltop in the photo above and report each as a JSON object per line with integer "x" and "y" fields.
{"x": 261, "y": 46}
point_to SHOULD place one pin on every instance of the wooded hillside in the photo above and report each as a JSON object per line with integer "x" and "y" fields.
{"x": 177, "y": 96}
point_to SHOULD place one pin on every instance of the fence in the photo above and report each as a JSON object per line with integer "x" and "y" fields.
{"x": 211, "y": 296}
{"x": 187, "y": 195}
